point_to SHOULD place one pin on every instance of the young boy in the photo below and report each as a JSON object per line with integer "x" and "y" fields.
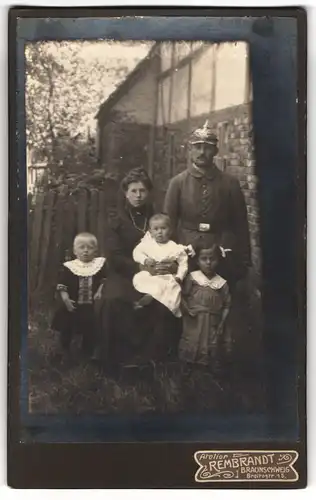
{"x": 79, "y": 285}
{"x": 156, "y": 247}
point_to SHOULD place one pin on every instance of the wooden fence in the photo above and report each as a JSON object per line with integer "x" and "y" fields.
{"x": 53, "y": 221}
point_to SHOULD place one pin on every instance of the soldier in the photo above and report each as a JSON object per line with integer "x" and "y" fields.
{"x": 207, "y": 205}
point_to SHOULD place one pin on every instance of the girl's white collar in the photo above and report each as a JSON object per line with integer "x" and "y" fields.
{"x": 85, "y": 268}
{"x": 215, "y": 283}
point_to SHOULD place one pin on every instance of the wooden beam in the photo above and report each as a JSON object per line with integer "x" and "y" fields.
{"x": 171, "y": 83}
{"x": 189, "y": 92}
{"x": 152, "y": 134}
{"x": 183, "y": 61}
{"x": 213, "y": 83}
{"x": 247, "y": 79}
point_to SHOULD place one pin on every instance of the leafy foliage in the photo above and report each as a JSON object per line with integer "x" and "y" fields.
{"x": 71, "y": 183}
{"x": 64, "y": 90}
{"x": 63, "y": 93}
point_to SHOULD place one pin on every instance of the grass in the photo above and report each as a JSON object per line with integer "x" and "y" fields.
{"x": 76, "y": 386}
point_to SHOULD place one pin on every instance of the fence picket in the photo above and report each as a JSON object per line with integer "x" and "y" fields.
{"x": 82, "y": 211}
{"x": 101, "y": 223}
{"x": 93, "y": 212}
{"x": 46, "y": 235}
{"x": 57, "y": 253}
{"x": 70, "y": 226}
{"x": 29, "y": 200}
{"x": 35, "y": 241}
{"x": 53, "y": 221}
{"x": 30, "y": 219}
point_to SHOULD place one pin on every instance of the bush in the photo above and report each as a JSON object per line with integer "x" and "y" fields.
{"x": 66, "y": 182}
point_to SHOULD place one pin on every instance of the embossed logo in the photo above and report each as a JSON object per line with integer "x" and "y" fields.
{"x": 252, "y": 465}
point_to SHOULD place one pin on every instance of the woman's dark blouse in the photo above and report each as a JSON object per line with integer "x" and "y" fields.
{"x": 124, "y": 232}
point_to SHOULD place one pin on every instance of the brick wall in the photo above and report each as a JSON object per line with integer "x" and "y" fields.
{"x": 233, "y": 126}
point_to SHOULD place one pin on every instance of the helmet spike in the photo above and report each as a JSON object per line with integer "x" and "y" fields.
{"x": 206, "y": 125}
{"x": 204, "y": 134}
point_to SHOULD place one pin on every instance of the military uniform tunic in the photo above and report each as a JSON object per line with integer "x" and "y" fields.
{"x": 209, "y": 207}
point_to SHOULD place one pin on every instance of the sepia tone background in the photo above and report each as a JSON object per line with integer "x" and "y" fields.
{"x": 95, "y": 110}
{"x": 171, "y": 91}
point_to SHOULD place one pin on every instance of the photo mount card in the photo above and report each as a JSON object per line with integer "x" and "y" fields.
{"x": 157, "y": 287}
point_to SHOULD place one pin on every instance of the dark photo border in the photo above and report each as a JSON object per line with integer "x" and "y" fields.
{"x": 154, "y": 452}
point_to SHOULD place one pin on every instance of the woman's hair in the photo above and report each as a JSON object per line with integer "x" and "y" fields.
{"x": 136, "y": 175}
{"x": 160, "y": 216}
{"x": 202, "y": 246}
{"x": 85, "y": 236}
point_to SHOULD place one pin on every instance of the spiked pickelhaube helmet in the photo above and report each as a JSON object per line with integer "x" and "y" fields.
{"x": 203, "y": 135}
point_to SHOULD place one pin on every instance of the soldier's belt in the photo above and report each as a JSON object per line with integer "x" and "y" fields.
{"x": 201, "y": 227}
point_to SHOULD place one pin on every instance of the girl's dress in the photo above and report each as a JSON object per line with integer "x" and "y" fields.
{"x": 203, "y": 302}
{"x": 163, "y": 288}
{"x": 81, "y": 281}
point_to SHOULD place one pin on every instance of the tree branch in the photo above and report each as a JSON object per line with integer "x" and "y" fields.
{"x": 50, "y": 118}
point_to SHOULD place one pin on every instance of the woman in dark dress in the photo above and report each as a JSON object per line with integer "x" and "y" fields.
{"x": 130, "y": 336}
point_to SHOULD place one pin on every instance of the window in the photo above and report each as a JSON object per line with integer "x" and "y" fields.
{"x": 181, "y": 50}
{"x": 163, "y": 101}
{"x": 179, "y": 107}
{"x": 170, "y": 153}
{"x": 202, "y": 81}
{"x": 166, "y": 55}
{"x": 197, "y": 45}
{"x": 231, "y": 60}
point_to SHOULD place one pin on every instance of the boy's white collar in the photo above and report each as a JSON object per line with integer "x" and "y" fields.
{"x": 85, "y": 268}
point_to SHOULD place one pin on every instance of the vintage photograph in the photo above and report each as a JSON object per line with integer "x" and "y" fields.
{"x": 144, "y": 250}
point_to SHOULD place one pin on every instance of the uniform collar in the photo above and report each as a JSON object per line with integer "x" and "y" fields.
{"x": 199, "y": 173}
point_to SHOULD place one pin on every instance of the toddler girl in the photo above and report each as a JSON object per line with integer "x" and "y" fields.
{"x": 205, "y": 305}
{"x": 156, "y": 247}
{"x": 79, "y": 285}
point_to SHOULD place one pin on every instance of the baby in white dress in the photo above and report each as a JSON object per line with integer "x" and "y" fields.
{"x": 156, "y": 247}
